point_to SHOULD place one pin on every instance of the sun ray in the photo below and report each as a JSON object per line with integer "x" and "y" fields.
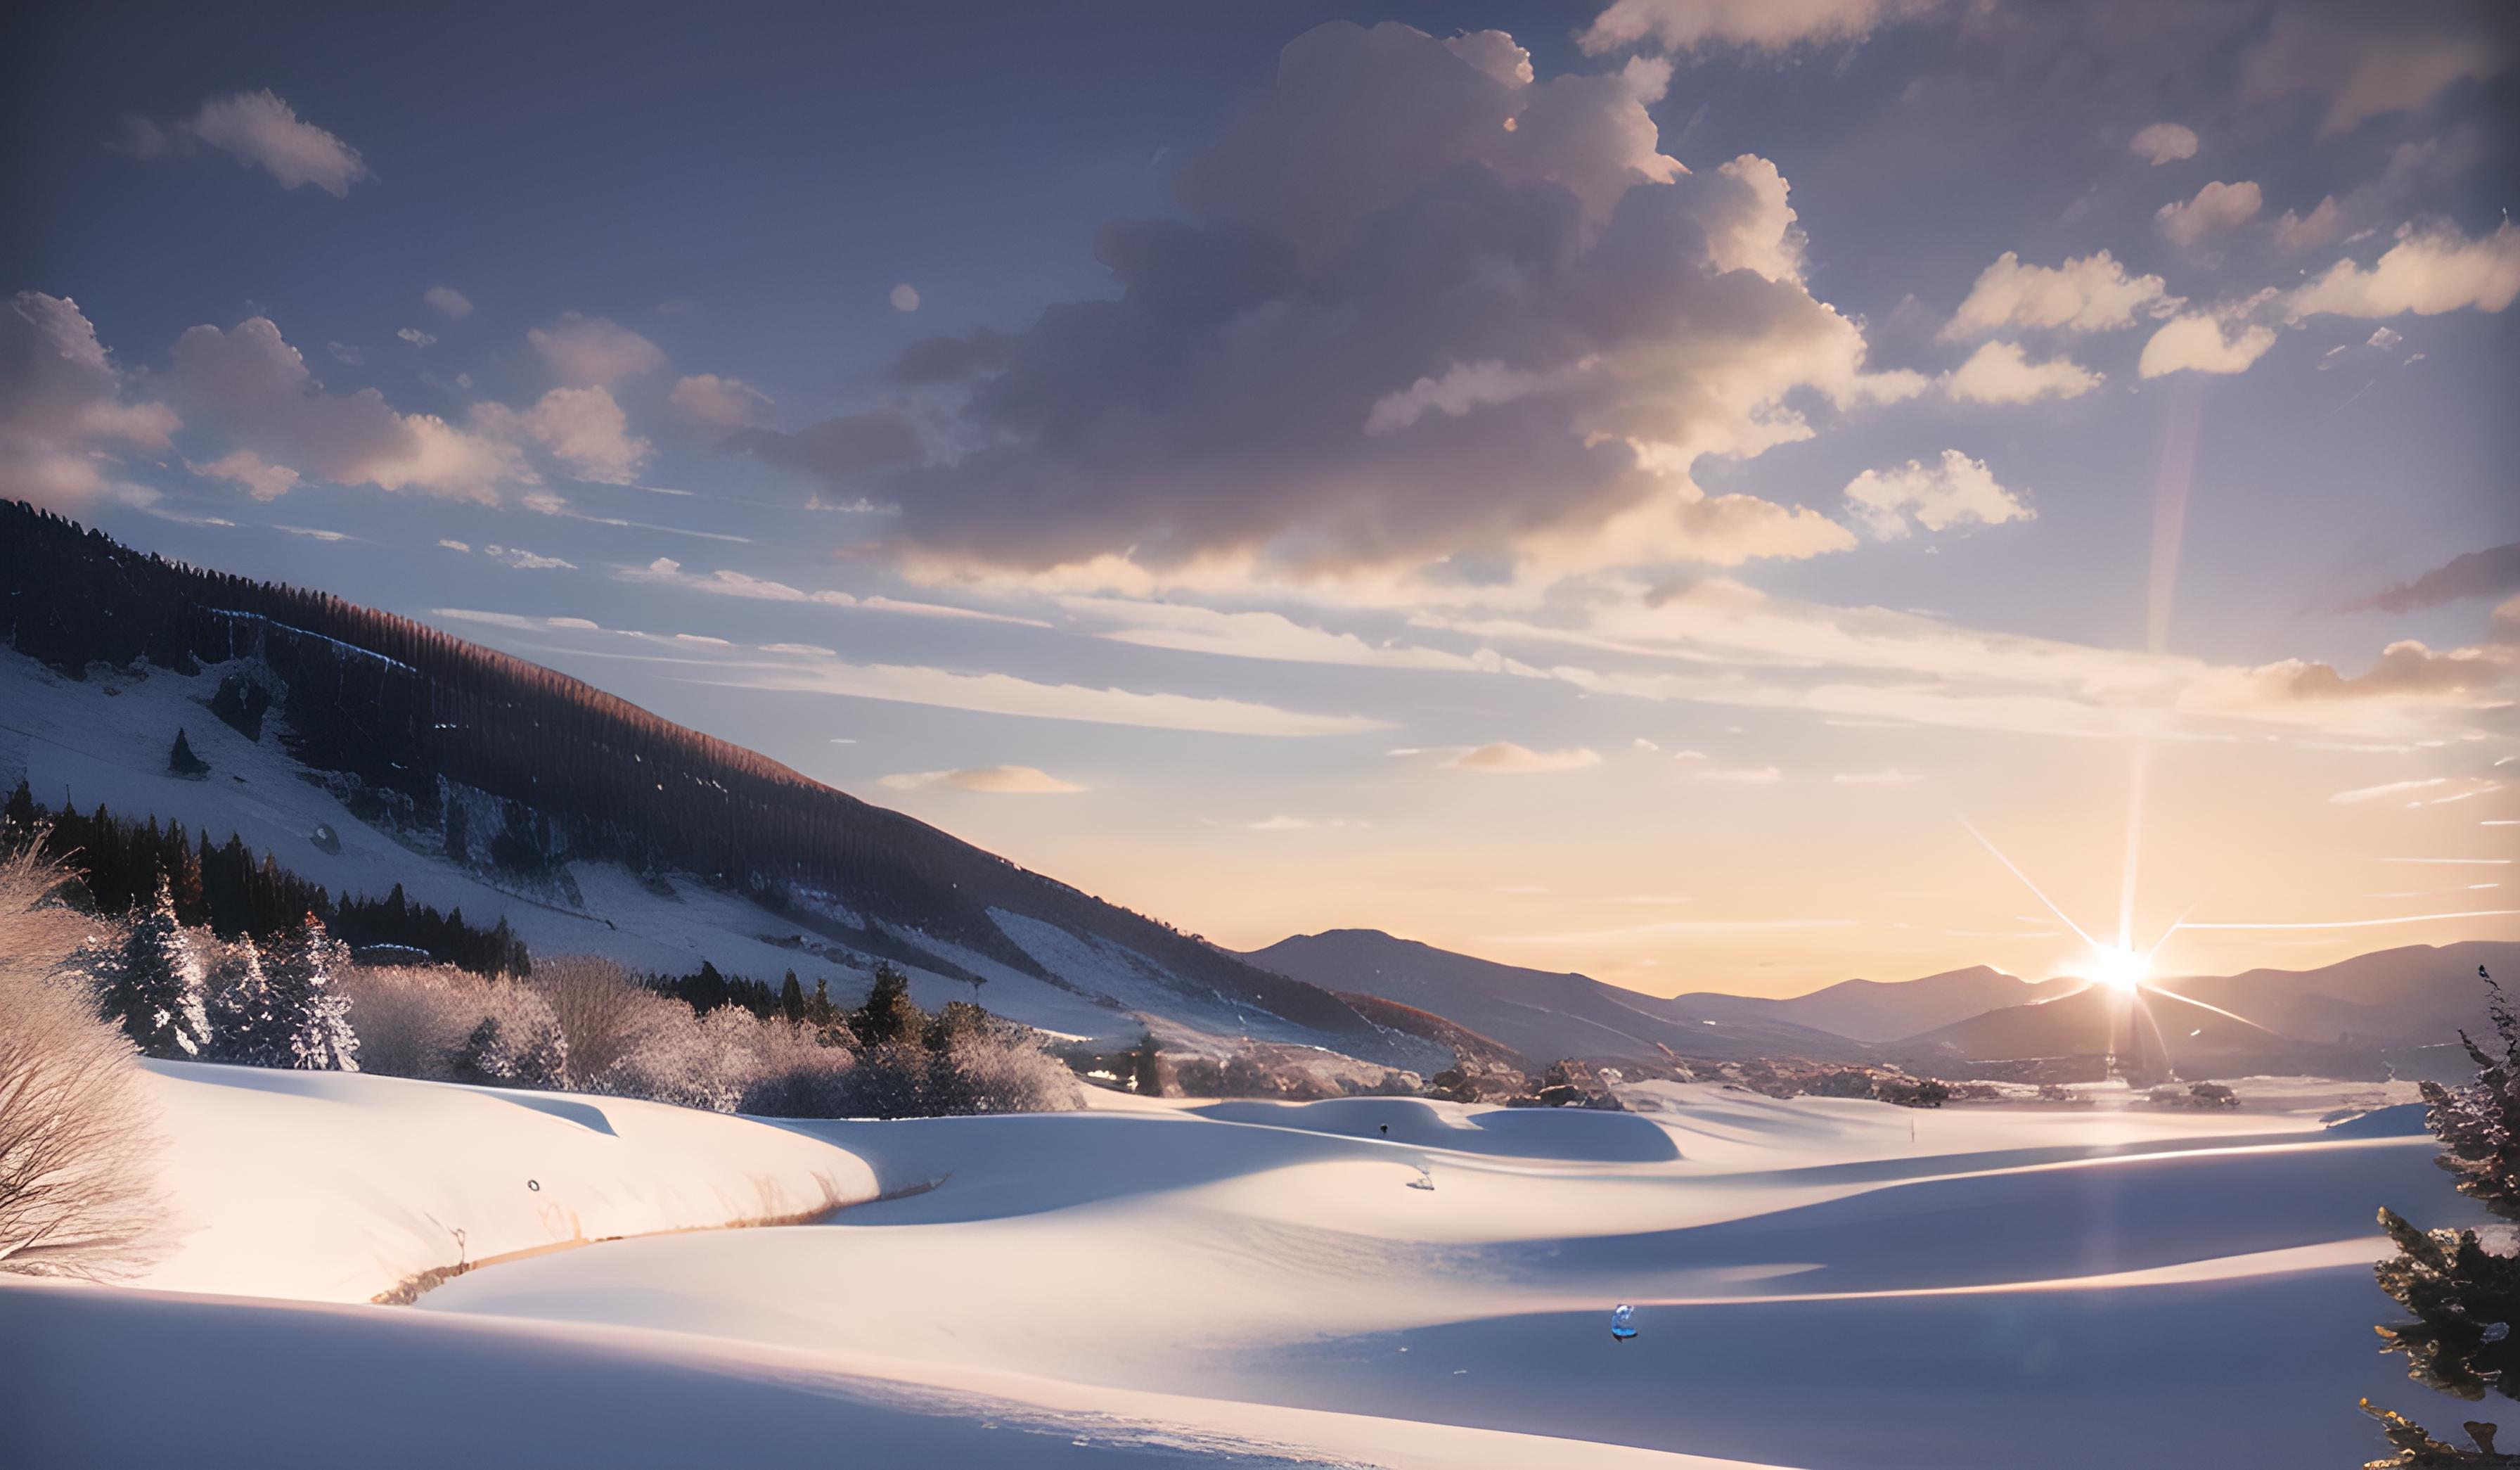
{"x": 2034, "y": 887}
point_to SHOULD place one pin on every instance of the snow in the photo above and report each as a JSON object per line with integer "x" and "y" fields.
{"x": 328, "y": 1186}
{"x": 1816, "y": 1282}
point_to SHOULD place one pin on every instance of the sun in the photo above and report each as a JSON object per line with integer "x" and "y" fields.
{"x": 2117, "y": 967}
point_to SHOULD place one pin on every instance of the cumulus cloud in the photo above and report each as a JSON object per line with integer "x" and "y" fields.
{"x": 2404, "y": 667}
{"x": 2371, "y": 61}
{"x": 1762, "y": 24}
{"x": 584, "y": 427}
{"x": 416, "y": 337}
{"x": 1395, "y": 333}
{"x": 996, "y": 780}
{"x": 261, "y": 479}
{"x": 2492, "y": 572}
{"x": 2000, "y": 372}
{"x": 721, "y": 402}
{"x": 1953, "y": 490}
{"x": 447, "y": 301}
{"x": 2414, "y": 171}
{"x": 2217, "y": 206}
{"x": 593, "y": 351}
{"x": 2428, "y": 271}
{"x": 2163, "y": 143}
{"x": 62, "y": 412}
{"x": 1506, "y": 758}
{"x": 2203, "y": 343}
{"x": 259, "y": 130}
{"x": 248, "y": 382}
{"x": 2087, "y": 294}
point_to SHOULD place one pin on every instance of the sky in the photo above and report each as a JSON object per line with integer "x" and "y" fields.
{"x": 1710, "y": 494}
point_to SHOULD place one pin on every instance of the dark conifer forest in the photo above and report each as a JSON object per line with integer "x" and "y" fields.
{"x": 405, "y": 712}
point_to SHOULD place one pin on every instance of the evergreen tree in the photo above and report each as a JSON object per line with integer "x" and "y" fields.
{"x": 181, "y": 760}
{"x": 792, "y": 1000}
{"x": 889, "y": 1014}
{"x": 1146, "y": 1070}
{"x": 317, "y": 1016}
{"x": 246, "y": 1025}
{"x": 152, "y": 983}
{"x": 2464, "y": 1297}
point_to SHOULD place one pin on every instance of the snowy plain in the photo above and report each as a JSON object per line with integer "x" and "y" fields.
{"x": 1820, "y": 1283}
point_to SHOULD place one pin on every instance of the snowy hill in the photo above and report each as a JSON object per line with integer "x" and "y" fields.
{"x": 1243, "y": 1283}
{"x": 478, "y": 780}
{"x": 1871, "y": 1010}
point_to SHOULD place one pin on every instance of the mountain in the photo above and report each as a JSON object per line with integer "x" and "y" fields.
{"x": 1542, "y": 1015}
{"x": 2393, "y": 999}
{"x": 1870, "y": 1010}
{"x": 369, "y": 750}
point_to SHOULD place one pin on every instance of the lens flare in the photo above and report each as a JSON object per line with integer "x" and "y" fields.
{"x": 2116, "y": 966}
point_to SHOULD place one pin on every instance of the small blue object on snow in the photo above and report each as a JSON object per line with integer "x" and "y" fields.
{"x": 1623, "y": 1322}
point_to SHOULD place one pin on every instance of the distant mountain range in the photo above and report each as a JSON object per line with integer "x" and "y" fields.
{"x": 1539, "y": 1014}
{"x": 2355, "y": 1011}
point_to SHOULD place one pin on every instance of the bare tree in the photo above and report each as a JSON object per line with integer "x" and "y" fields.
{"x": 78, "y": 1183}
{"x": 605, "y": 1016}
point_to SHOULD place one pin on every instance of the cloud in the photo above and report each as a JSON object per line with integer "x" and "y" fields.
{"x": 63, "y": 414}
{"x": 258, "y": 130}
{"x": 2386, "y": 788}
{"x": 1738, "y": 775}
{"x": 2404, "y": 667}
{"x": 2000, "y": 372}
{"x": 2088, "y": 294}
{"x": 1506, "y": 758}
{"x": 592, "y": 352}
{"x": 584, "y": 427}
{"x": 799, "y": 669}
{"x": 2163, "y": 143}
{"x": 526, "y": 561}
{"x": 904, "y": 297}
{"x": 2415, "y": 171}
{"x": 416, "y": 337}
{"x": 2492, "y": 572}
{"x": 2371, "y": 61}
{"x": 1760, "y": 25}
{"x": 841, "y": 452}
{"x": 1395, "y": 336}
{"x": 261, "y": 479}
{"x": 1267, "y": 635}
{"x": 447, "y": 301}
{"x": 666, "y": 572}
{"x": 998, "y": 780}
{"x": 315, "y": 533}
{"x": 252, "y": 383}
{"x": 452, "y": 545}
{"x": 1953, "y": 490}
{"x": 2204, "y": 345}
{"x": 1283, "y": 823}
{"x": 722, "y": 403}
{"x": 2428, "y": 271}
{"x": 2217, "y": 206}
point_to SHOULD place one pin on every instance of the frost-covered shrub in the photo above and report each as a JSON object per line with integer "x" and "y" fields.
{"x": 1000, "y": 1068}
{"x": 604, "y": 1015}
{"x": 517, "y": 1042}
{"x": 78, "y": 1177}
{"x": 798, "y": 1077}
{"x": 412, "y": 1018}
{"x": 246, "y": 1027}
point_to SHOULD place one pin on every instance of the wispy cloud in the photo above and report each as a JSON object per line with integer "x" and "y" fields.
{"x": 995, "y": 780}
{"x": 1504, "y": 758}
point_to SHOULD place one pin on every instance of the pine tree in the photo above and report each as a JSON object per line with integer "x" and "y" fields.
{"x": 792, "y": 1000}
{"x": 317, "y": 1016}
{"x": 2464, "y": 1297}
{"x": 889, "y": 1014}
{"x": 246, "y": 1027}
{"x": 181, "y": 760}
{"x": 152, "y": 983}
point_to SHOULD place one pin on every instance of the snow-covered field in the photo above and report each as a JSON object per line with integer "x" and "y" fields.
{"x": 1820, "y": 1282}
